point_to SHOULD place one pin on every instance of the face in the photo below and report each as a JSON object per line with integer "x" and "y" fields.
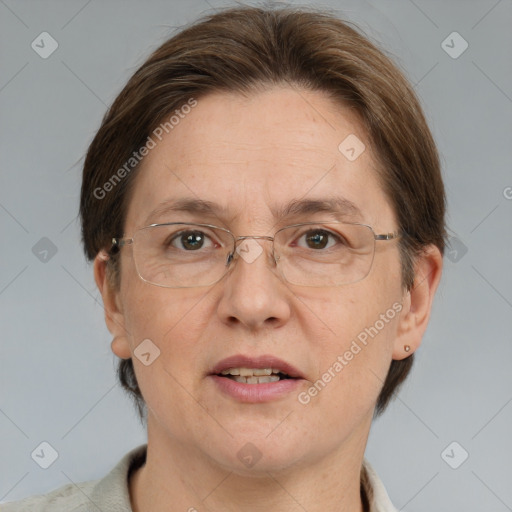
{"x": 251, "y": 156}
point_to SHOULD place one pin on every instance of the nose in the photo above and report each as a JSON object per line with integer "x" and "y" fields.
{"x": 253, "y": 294}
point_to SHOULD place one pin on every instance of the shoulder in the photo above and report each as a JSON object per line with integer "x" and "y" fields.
{"x": 109, "y": 493}
{"x": 68, "y": 498}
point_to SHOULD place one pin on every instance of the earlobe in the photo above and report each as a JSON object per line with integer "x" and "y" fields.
{"x": 120, "y": 347}
{"x": 417, "y": 303}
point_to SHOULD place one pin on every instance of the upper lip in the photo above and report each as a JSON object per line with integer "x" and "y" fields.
{"x": 263, "y": 361}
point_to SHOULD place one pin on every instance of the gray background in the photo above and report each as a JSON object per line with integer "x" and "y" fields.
{"x": 57, "y": 380}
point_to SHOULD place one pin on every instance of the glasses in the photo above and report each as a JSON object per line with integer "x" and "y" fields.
{"x": 184, "y": 255}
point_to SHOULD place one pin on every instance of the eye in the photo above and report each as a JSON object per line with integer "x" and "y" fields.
{"x": 319, "y": 239}
{"x": 190, "y": 240}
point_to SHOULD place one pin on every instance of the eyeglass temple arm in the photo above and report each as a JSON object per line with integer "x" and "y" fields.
{"x": 120, "y": 242}
{"x": 387, "y": 236}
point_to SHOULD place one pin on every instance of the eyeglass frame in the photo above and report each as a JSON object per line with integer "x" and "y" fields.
{"x": 125, "y": 241}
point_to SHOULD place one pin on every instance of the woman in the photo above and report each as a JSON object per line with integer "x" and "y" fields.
{"x": 264, "y": 208}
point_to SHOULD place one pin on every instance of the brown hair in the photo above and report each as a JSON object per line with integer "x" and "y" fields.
{"x": 244, "y": 48}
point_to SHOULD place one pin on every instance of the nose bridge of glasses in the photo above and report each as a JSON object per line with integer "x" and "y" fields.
{"x": 249, "y": 257}
{"x": 261, "y": 237}
{"x": 254, "y": 237}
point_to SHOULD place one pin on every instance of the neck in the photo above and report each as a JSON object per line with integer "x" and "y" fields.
{"x": 177, "y": 477}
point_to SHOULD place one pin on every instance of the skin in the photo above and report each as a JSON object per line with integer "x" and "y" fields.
{"x": 249, "y": 154}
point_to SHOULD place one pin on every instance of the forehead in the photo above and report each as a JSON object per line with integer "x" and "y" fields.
{"x": 254, "y": 156}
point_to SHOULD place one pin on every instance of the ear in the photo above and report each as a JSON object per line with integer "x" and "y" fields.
{"x": 417, "y": 302}
{"x": 114, "y": 317}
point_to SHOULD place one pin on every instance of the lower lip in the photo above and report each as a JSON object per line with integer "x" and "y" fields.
{"x": 256, "y": 392}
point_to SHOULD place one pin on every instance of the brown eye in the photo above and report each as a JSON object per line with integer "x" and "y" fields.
{"x": 189, "y": 240}
{"x": 319, "y": 239}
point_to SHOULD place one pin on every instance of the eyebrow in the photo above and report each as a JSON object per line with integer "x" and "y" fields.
{"x": 338, "y": 206}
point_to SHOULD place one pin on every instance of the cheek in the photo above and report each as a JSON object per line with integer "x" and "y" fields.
{"x": 173, "y": 321}
{"x": 353, "y": 355}
{"x": 154, "y": 312}
{"x": 346, "y": 313}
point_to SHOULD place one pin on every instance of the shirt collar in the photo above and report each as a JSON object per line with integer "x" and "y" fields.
{"x": 375, "y": 490}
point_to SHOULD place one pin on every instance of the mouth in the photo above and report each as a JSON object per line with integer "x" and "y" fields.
{"x": 245, "y": 369}
{"x": 255, "y": 379}
{"x": 254, "y": 375}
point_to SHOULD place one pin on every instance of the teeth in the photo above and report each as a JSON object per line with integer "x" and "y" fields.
{"x": 262, "y": 371}
{"x": 256, "y": 380}
{"x": 231, "y": 371}
{"x": 249, "y": 372}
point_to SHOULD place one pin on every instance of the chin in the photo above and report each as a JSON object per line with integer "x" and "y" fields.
{"x": 256, "y": 453}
